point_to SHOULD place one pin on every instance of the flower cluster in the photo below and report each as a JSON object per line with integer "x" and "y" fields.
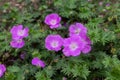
{"x": 37, "y": 62}
{"x": 80, "y": 30}
{"x": 2, "y": 70}
{"x": 18, "y": 33}
{"x": 77, "y": 42}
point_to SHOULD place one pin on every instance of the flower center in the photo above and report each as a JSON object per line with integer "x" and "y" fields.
{"x": 53, "y": 22}
{"x": 77, "y": 31}
{"x": 73, "y": 46}
{"x": 19, "y": 40}
{"x": 54, "y": 44}
{"x": 21, "y": 32}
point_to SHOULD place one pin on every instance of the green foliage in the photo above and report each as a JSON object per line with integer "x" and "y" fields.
{"x": 46, "y": 74}
{"x": 99, "y": 35}
{"x": 13, "y": 69}
{"x": 113, "y": 65}
{"x": 102, "y": 22}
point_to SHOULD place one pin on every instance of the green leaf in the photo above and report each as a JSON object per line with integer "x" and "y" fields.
{"x": 13, "y": 69}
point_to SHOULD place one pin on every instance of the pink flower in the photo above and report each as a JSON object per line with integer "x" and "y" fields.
{"x": 18, "y": 32}
{"x": 53, "y": 20}
{"x": 53, "y": 42}
{"x": 37, "y": 62}
{"x": 2, "y": 70}
{"x": 77, "y": 29}
{"x": 86, "y": 39}
{"x": 73, "y": 46}
{"x": 17, "y": 43}
{"x": 80, "y": 30}
{"x": 87, "y": 47}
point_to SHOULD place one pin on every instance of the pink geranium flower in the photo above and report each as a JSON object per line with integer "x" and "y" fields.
{"x": 53, "y": 20}
{"x": 73, "y": 46}
{"x": 18, "y": 32}
{"x": 87, "y": 41}
{"x": 53, "y": 42}
{"x": 77, "y": 29}
{"x": 37, "y": 62}
{"x": 17, "y": 43}
{"x": 2, "y": 70}
{"x": 86, "y": 49}
{"x": 80, "y": 30}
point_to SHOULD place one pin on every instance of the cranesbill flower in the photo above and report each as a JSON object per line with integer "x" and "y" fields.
{"x": 73, "y": 46}
{"x": 77, "y": 29}
{"x": 2, "y": 70}
{"x": 53, "y": 20}
{"x": 18, "y": 32}
{"x": 87, "y": 47}
{"x": 17, "y": 43}
{"x": 53, "y": 42}
{"x": 86, "y": 39}
{"x": 37, "y": 62}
